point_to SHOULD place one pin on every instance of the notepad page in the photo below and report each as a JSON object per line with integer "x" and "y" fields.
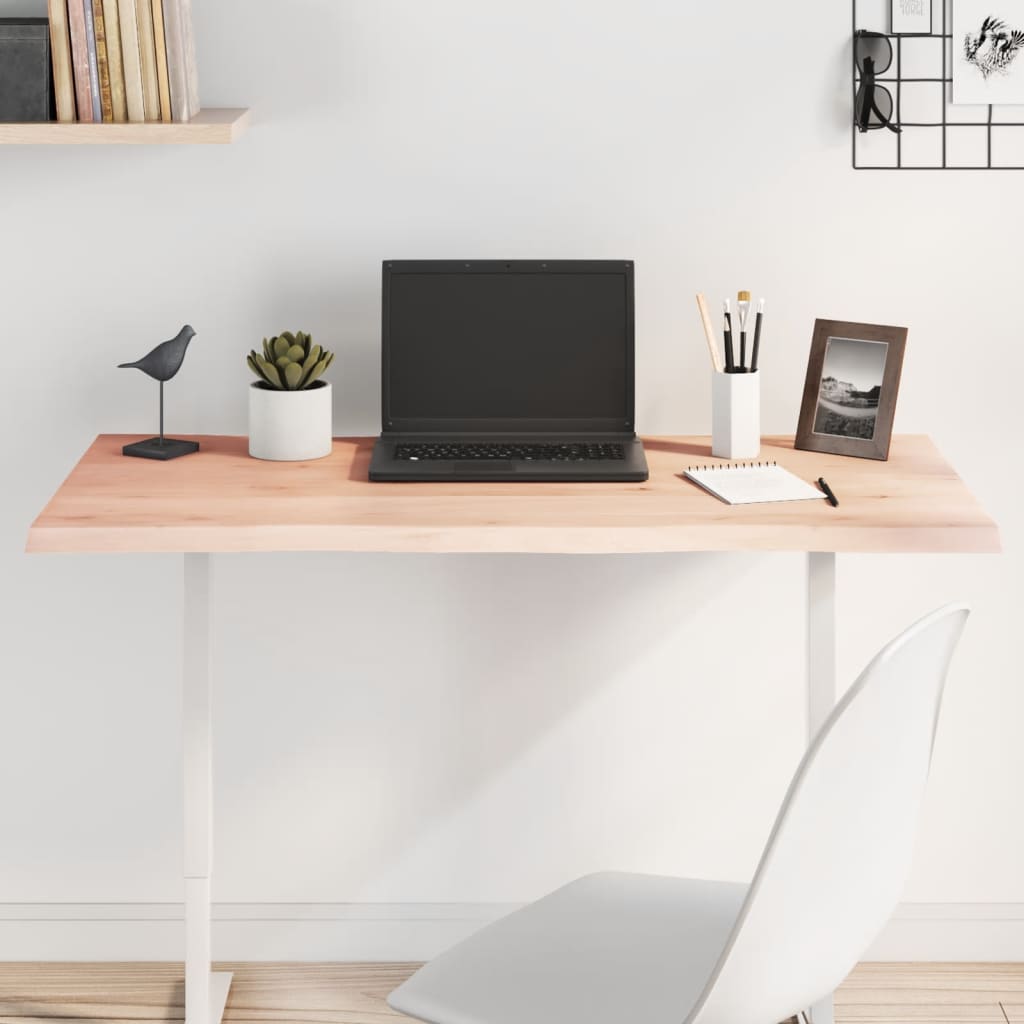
{"x": 747, "y": 485}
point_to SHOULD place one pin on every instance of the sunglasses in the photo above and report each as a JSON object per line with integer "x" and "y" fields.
{"x": 873, "y": 107}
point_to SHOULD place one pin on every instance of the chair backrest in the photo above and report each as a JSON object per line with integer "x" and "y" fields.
{"x": 839, "y": 854}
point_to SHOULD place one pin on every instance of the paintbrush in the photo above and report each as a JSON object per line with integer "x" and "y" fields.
{"x": 730, "y": 364}
{"x": 743, "y": 306}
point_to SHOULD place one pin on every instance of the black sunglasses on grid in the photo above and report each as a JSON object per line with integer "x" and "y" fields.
{"x": 873, "y": 107}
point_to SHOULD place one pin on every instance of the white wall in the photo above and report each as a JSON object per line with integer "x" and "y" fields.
{"x": 400, "y": 729}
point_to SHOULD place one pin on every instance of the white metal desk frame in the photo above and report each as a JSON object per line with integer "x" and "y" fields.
{"x": 206, "y": 992}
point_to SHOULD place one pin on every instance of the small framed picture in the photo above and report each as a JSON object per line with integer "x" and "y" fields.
{"x": 911, "y": 17}
{"x": 853, "y": 378}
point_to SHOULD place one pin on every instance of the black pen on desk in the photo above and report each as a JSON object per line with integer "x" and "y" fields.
{"x": 832, "y": 499}
{"x": 730, "y": 363}
{"x": 757, "y": 336}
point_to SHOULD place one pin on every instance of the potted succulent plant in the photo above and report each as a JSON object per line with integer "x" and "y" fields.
{"x": 290, "y": 404}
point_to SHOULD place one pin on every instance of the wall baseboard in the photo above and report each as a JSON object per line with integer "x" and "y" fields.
{"x": 413, "y": 931}
{"x": 955, "y": 932}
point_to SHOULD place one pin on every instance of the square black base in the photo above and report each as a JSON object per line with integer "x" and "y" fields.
{"x": 163, "y": 450}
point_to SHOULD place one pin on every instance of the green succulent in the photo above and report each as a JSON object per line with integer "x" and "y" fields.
{"x": 289, "y": 362}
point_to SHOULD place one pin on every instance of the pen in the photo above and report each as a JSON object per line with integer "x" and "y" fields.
{"x": 730, "y": 363}
{"x": 757, "y": 335}
{"x": 832, "y": 499}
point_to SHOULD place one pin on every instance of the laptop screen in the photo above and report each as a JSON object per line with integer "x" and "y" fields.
{"x": 506, "y": 346}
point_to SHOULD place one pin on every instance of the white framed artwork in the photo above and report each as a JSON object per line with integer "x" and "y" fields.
{"x": 988, "y": 51}
{"x": 910, "y": 17}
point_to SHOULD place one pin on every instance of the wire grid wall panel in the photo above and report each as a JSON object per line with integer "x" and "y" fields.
{"x": 937, "y": 134}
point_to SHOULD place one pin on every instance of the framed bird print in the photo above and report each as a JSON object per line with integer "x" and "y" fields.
{"x": 988, "y": 51}
{"x": 911, "y": 17}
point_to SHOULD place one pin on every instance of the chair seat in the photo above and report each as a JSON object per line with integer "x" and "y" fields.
{"x": 605, "y": 949}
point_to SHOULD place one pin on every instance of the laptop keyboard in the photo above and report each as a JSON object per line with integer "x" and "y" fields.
{"x": 448, "y": 451}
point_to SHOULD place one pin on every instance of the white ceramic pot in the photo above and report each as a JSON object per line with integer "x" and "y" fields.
{"x": 290, "y": 426}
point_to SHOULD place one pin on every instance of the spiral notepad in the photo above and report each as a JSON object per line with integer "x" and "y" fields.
{"x": 746, "y": 483}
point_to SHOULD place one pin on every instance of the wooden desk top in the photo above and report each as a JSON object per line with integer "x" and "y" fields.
{"x": 221, "y": 500}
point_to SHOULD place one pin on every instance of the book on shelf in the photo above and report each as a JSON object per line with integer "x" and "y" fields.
{"x": 163, "y": 81}
{"x": 26, "y": 78}
{"x": 123, "y": 60}
{"x": 103, "y": 67}
{"x": 94, "y": 68}
{"x": 182, "y": 71}
{"x": 131, "y": 60}
{"x": 63, "y": 71}
{"x": 115, "y": 62}
{"x": 80, "y": 58}
{"x": 147, "y": 55}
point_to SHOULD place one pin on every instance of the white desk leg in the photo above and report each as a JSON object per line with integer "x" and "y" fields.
{"x": 821, "y": 639}
{"x": 205, "y": 993}
{"x": 821, "y": 674}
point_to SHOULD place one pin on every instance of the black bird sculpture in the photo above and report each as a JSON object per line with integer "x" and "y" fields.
{"x": 166, "y": 359}
{"x": 162, "y": 364}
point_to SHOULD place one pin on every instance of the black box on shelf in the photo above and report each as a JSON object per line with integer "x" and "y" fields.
{"x": 26, "y": 80}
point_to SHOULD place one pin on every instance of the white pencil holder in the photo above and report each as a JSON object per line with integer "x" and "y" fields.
{"x": 736, "y": 415}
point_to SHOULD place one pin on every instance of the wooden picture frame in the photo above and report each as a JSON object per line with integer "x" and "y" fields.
{"x": 853, "y": 377}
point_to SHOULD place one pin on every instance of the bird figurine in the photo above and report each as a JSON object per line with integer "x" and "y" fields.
{"x": 165, "y": 360}
{"x": 162, "y": 364}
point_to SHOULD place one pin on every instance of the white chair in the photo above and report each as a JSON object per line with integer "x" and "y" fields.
{"x": 641, "y": 949}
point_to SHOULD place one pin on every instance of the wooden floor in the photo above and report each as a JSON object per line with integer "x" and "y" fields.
{"x": 354, "y": 993}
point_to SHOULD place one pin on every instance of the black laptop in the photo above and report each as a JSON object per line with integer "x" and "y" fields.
{"x": 508, "y": 370}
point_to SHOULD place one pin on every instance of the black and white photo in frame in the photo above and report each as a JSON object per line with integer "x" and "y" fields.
{"x": 988, "y": 51}
{"x": 850, "y": 387}
{"x": 911, "y": 17}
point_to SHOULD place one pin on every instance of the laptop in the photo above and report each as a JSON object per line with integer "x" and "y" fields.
{"x": 508, "y": 370}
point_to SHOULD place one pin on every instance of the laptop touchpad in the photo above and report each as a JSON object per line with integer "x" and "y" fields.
{"x": 485, "y": 465}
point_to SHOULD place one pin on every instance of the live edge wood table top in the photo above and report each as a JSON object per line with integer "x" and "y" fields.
{"x": 220, "y": 500}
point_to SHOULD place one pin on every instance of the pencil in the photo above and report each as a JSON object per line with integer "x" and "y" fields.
{"x": 709, "y": 333}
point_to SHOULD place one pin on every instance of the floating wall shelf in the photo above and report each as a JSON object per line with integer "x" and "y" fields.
{"x": 209, "y": 127}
